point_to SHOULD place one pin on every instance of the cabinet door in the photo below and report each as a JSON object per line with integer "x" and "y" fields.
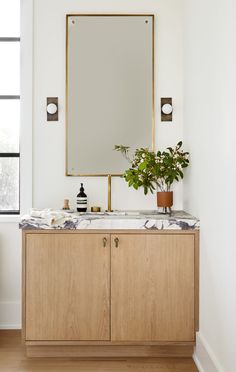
{"x": 152, "y": 287}
{"x": 67, "y": 287}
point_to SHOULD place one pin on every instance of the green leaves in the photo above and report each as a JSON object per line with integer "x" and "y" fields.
{"x": 173, "y": 161}
{"x": 149, "y": 170}
{"x": 142, "y": 166}
{"x": 124, "y": 150}
{"x": 179, "y": 144}
{"x": 121, "y": 148}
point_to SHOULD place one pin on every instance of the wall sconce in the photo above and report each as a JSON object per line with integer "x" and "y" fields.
{"x": 166, "y": 109}
{"x": 52, "y": 108}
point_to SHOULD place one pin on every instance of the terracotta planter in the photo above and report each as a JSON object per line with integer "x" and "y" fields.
{"x": 165, "y": 199}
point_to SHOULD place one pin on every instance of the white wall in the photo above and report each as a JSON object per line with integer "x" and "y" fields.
{"x": 209, "y": 133}
{"x": 10, "y": 236}
{"x": 10, "y": 275}
{"x": 50, "y": 186}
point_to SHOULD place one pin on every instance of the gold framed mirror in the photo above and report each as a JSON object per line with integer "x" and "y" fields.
{"x": 109, "y": 90}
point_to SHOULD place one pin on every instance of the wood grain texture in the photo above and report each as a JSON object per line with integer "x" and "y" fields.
{"x": 196, "y": 281}
{"x": 152, "y": 288}
{"x": 67, "y": 287}
{"x": 23, "y": 285}
{"x": 121, "y": 351}
{"x": 95, "y": 265}
{"x": 107, "y": 343}
{"x": 13, "y": 359}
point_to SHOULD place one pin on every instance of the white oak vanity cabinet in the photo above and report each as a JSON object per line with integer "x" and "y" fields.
{"x": 110, "y": 293}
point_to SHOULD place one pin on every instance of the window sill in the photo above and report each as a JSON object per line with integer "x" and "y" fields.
{"x": 10, "y": 218}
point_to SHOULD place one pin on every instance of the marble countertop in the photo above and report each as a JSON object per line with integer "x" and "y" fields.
{"x": 149, "y": 220}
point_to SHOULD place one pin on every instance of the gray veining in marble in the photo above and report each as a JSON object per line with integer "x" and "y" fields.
{"x": 149, "y": 220}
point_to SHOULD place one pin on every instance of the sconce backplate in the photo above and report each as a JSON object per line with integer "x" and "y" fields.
{"x": 166, "y": 117}
{"x": 52, "y": 117}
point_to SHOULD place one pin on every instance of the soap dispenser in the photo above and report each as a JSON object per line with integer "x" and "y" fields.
{"x": 81, "y": 200}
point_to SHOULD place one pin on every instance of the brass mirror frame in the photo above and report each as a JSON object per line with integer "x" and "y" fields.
{"x": 153, "y": 95}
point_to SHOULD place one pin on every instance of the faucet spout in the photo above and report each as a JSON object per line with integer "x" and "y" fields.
{"x": 109, "y": 193}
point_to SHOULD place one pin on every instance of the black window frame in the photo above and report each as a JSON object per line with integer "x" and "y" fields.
{"x": 11, "y": 154}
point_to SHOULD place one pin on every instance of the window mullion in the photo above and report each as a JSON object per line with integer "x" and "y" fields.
{"x": 9, "y": 97}
{"x": 10, "y": 39}
{"x": 9, "y": 154}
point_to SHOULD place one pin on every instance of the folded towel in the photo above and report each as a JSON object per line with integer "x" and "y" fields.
{"x": 50, "y": 217}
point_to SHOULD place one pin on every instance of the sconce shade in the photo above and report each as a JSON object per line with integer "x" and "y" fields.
{"x": 51, "y": 108}
{"x": 167, "y": 109}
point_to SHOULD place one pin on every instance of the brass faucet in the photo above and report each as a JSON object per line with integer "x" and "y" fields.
{"x": 109, "y": 193}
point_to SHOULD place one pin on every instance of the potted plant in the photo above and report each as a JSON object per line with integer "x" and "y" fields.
{"x": 152, "y": 171}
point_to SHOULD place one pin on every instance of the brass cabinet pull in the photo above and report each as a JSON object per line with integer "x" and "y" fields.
{"x": 116, "y": 240}
{"x": 104, "y": 242}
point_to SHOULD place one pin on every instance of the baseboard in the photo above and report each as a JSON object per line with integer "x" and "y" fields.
{"x": 10, "y": 315}
{"x": 204, "y": 357}
{"x": 10, "y": 326}
{"x": 109, "y": 351}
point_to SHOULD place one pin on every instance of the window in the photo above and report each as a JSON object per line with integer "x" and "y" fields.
{"x": 9, "y": 106}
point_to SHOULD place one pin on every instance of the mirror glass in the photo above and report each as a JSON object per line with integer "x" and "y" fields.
{"x": 109, "y": 81}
